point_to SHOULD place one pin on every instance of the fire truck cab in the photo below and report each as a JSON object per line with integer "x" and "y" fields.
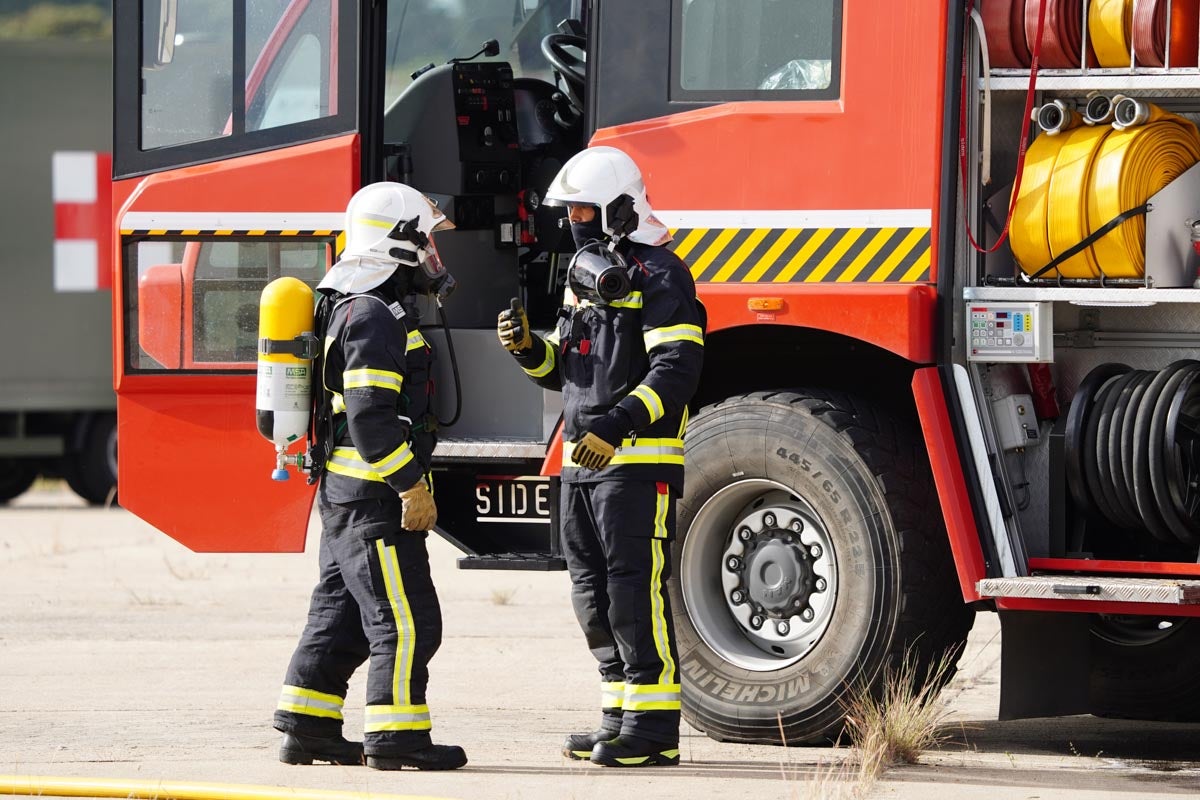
{"x": 848, "y": 497}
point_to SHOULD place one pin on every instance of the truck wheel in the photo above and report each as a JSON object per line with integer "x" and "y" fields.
{"x": 1145, "y": 667}
{"x": 92, "y": 473}
{"x": 812, "y": 553}
{"x": 16, "y": 476}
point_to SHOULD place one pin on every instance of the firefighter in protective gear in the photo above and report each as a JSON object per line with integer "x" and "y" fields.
{"x": 627, "y": 367}
{"x": 375, "y": 597}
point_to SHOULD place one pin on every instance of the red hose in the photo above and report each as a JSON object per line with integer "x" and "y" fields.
{"x": 1004, "y": 25}
{"x": 1039, "y": 31}
{"x": 1063, "y": 38}
{"x": 1150, "y": 32}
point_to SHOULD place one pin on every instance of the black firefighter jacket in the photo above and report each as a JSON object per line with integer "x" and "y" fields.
{"x": 643, "y": 353}
{"x": 377, "y": 369}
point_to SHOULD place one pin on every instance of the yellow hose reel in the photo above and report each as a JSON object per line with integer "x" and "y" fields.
{"x": 1077, "y": 178}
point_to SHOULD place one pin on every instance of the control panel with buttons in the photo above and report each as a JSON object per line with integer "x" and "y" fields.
{"x": 1010, "y": 332}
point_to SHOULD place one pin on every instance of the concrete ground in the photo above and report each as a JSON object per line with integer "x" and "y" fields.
{"x": 123, "y": 655}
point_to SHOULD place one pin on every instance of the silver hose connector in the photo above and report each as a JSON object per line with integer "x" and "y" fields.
{"x": 1055, "y": 117}
{"x": 1098, "y": 110}
{"x": 1129, "y": 112}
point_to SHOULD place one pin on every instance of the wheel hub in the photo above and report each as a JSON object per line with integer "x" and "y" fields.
{"x": 779, "y": 578}
{"x": 778, "y": 574}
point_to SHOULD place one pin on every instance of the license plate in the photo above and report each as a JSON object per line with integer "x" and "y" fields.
{"x": 505, "y": 498}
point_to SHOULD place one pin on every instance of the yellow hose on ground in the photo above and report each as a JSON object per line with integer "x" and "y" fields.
{"x": 1109, "y": 25}
{"x": 1067, "y": 208}
{"x": 41, "y": 786}
{"x": 1028, "y": 239}
{"x": 1129, "y": 168}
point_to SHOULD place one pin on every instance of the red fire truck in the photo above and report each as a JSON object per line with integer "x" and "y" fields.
{"x": 893, "y": 429}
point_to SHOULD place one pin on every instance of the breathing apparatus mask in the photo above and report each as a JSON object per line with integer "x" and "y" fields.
{"x": 597, "y": 272}
{"x": 430, "y": 275}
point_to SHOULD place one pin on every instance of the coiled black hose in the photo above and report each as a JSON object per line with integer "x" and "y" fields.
{"x": 1132, "y": 445}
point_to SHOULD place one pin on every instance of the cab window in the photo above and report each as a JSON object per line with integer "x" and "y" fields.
{"x": 755, "y": 50}
{"x": 422, "y": 32}
{"x": 192, "y": 304}
{"x": 200, "y": 80}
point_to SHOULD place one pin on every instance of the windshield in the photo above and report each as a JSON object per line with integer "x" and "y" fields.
{"x": 422, "y": 32}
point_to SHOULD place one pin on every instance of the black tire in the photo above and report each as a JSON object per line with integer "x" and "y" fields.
{"x": 16, "y": 476}
{"x": 91, "y": 473}
{"x": 866, "y": 477}
{"x": 1143, "y": 671}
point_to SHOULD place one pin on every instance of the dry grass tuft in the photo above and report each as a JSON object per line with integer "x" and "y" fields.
{"x": 898, "y": 722}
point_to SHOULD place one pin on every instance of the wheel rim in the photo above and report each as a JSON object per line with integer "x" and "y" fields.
{"x": 110, "y": 451}
{"x": 758, "y": 574}
{"x": 1135, "y": 631}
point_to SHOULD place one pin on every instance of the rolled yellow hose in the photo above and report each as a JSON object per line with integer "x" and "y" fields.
{"x": 1028, "y": 239}
{"x": 1129, "y": 168}
{"x": 1109, "y": 26}
{"x": 1067, "y": 208}
{"x": 41, "y": 786}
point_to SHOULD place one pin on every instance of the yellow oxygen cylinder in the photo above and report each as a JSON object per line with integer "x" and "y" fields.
{"x": 286, "y": 348}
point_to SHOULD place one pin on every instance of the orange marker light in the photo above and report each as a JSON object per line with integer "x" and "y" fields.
{"x": 765, "y": 304}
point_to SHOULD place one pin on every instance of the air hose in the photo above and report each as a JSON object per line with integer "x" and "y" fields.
{"x": 1094, "y": 181}
{"x": 1132, "y": 449}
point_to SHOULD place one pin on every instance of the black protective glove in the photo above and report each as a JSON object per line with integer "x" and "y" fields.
{"x": 598, "y": 446}
{"x": 512, "y": 326}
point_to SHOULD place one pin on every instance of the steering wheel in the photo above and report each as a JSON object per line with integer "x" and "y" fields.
{"x": 565, "y": 63}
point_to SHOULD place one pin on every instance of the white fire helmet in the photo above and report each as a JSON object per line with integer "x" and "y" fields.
{"x": 598, "y": 176}
{"x": 387, "y": 225}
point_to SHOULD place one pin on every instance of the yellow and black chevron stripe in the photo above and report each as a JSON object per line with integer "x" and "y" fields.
{"x": 338, "y": 247}
{"x": 804, "y": 255}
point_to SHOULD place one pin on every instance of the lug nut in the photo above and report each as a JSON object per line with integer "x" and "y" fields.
{"x": 821, "y": 584}
{"x": 815, "y": 551}
{"x": 807, "y": 615}
{"x": 769, "y": 520}
{"x": 737, "y": 596}
{"x": 744, "y": 534}
{"x": 756, "y": 622}
{"x": 782, "y": 628}
{"x": 733, "y": 563}
{"x": 797, "y": 525}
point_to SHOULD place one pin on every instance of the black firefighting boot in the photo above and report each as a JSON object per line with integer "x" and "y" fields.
{"x": 579, "y": 745}
{"x": 633, "y": 751}
{"x": 434, "y": 757}
{"x": 298, "y": 749}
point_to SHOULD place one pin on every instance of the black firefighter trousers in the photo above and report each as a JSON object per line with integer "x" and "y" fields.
{"x": 616, "y": 538}
{"x": 374, "y": 598}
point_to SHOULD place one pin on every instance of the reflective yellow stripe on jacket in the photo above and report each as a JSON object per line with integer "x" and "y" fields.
{"x": 547, "y": 365}
{"x": 380, "y": 378}
{"x": 672, "y": 333}
{"x": 346, "y": 461}
{"x": 650, "y": 400}
{"x": 645, "y": 451}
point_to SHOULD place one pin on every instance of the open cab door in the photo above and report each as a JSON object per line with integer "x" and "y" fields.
{"x": 236, "y": 149}
{"x": 242, "y": 130}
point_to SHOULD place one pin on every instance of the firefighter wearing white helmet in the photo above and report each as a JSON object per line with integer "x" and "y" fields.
{"x": 374, "y": 441}
{"x": 626, "y": 354}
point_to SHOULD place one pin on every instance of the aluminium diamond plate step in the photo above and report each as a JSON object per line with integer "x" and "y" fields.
{"x": 1173, "y": 591}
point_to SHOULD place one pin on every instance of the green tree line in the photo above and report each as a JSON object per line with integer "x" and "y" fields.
{"x": 56, "y": 19}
